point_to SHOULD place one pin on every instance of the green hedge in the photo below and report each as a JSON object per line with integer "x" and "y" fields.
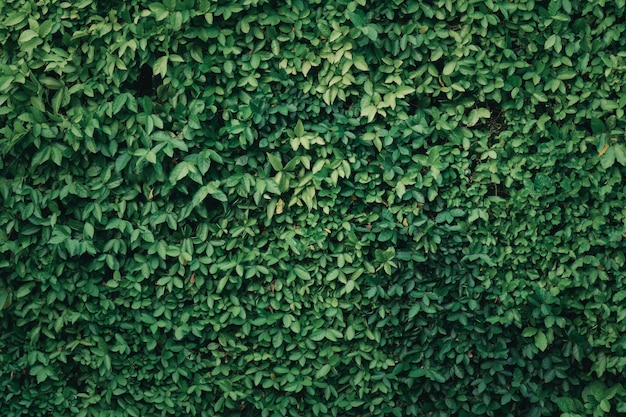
{"x": 311, "y": 208}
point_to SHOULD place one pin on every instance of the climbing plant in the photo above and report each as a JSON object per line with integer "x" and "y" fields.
{"x": 312, "y": 208}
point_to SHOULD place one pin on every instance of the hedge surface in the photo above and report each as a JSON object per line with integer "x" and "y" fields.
{"x": 312, "y": 208}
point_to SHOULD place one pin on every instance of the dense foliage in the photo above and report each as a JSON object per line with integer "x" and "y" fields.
{"x": 312, "y": 208}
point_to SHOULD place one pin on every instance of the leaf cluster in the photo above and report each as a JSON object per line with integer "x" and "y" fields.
{"x": 312, "y": 208}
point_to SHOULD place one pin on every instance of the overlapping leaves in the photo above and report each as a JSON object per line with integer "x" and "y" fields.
{"x": 312, "y": 209}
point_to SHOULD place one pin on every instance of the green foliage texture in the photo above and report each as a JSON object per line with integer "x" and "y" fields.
{"x": 319, "y": 208}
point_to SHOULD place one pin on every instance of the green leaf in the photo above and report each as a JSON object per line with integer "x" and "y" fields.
{"x": 597, "y": 126}
{"x": 52, "y": 83}
{"x": 27, "y": 35}
{"x": 435, "y": 376}
{"x": 163, "y": 280}
{"x": 620, "y": 153}
{"x": 477, "y": 114}
{"x": 14, "y": 18}
{"x": 222, "y": 284}
{"x": 40, "y": 157}
{"x": 318, "y": 335}
{"x": 160, "y": 66}
{"x": 151, "y": 156}
{"x": 88, "y": 231}
{"x": 333, "y": 334}
{"x": 56, "y": 154}
{"x": 323, "y": 371}
{"x": 350, "y": 333}
{"x": 370, "y": 31}
{"x": 567, "y": 6}
{"x": 357, "y": 18}
{"x": 206, "y": 190}
{"x": 277, "y": 340}
{"x": 229, "y": 66}
{"x": 449, "y": 68}
{"x": 119, "y": 102}
{"x": 24, "y": 290}
{"x": 605, "y": 406}
{"x": 122, "y": 161}
{"x": 301, "y": 273}
{"x": 541, "y": 341}
{"x": 179, "y": 333}
{"x": 370, "y": 112}
{"x": 608, "y": 158}
{"x": 179, "y": 172}
{"x": 159, "y": 10}
{"x": 275, "y": 162}
{"x": 414, "y": 310}
{"x": 58, "y": 99}
{"x": 359, "y": 63}
{"x": 5, "y": 299}
{"x": 404, "y": 90}
{"x": 298, "y": 130}
{"x": 42, "y": 373}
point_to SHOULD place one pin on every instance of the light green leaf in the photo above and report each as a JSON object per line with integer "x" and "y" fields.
{"x": 608, "y": 158}
{"x": 298, "y": 130}
{"x": 57, "y": 100}
{"x": 222, "y": 284}
{"x": 359, "y": 63}
{"x": 14, "y": 18}
{"x": 370, "y": 31}
{"x": 414, "y": 310}
{"x": 605, "y": 405}
{"x": 179, "y": 333}
{"x": 27, "y": 35}
{"x": 477, "y": 114}
{"x": 179, "y": 172}
{"x": 301, "y": 273}
{"x": 350, "y": 333}
{"x": 88, "y": 231}
{"x": 318, "y": 335}
{"x": 369, "y": 111}
{"x": 275, "y": 161}
{"x": 449, "y": 68}
{"x": 404, "y": 90}
{"x": 206, "y": 190}
{"x": 119, "y": 102}
{"x": 160, "y": 66}
{"x": 159, "y": 10}
{"x": 323, "y": 371}
{"x": 620, "y": 153}
{"x": 541, "y": 341}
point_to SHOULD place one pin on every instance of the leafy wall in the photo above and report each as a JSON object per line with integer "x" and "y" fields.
{"x": 312, "y": 208}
